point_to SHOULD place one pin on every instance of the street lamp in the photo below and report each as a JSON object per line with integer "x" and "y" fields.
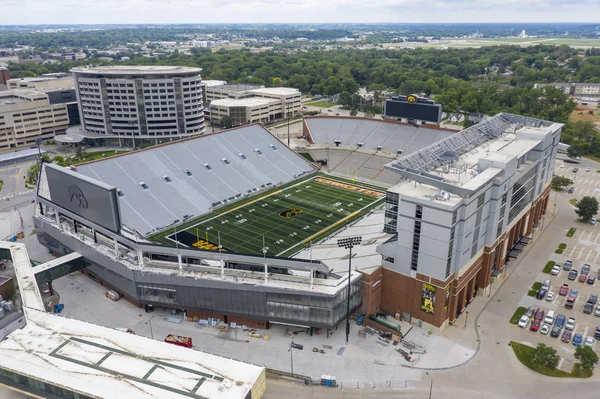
{"x": 291, "y": 358}
{"x": 466, "y": 317}
{"x": 430, "y": 385}
{"x": 349, "y": 243}
{"x": 38, "y": 142}
{"x": 150, "y": 322}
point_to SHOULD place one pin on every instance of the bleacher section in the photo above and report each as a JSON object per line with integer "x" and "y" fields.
{"x": 188, "y": 178}
{"x": 390, "y": 135}
{"x": 366, "y": 162}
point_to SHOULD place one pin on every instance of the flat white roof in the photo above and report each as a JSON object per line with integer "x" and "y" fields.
{"x": 102, "y": 362}
{"x": 210, "y": 83}
{"x": 280, "y": 91}
{"x": 243, "y": 102}
{"x": 136, "y": 69}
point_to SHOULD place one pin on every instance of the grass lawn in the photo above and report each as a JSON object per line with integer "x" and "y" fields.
{"x": 573, "y": 201}
{"x": 517, "y": 315}
{"x": 561, "y": 248}
{"x": 321, "y": 104}
{"x": 1, "y": 184}
{"x": 571, "y": 232}
{"x": 288, "y": 218}
{"x": 92, "y": 156}
{"x": 535, "y": 288}
{"x": 525, "y": 355}
{"x": 549, "y": 266}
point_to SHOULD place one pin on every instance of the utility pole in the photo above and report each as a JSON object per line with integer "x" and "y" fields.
{"x": 430, "y": 385}
{"x": 349, "y": 243}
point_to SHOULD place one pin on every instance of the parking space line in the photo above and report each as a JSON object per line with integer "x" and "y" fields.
{"x": 583, "y": 238}
{"x": 585, "y": 332}
{"x": 596, "y": 258}
{"x": 580, "y": 252}
{"x": 596, "y": 240}
{"x": 597, "y": 181}
{"x": 587, "y": 258}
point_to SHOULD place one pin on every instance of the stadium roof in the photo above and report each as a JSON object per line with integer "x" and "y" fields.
{"x": 166, "y": 184}
{"x": 101, "y": 362}
{"x": 390, "y": 135}
{"x": 132, "y": 70}
{"x": 243, "y": 102}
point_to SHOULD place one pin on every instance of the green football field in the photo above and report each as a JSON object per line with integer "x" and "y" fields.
{"x": 288, "y": 219}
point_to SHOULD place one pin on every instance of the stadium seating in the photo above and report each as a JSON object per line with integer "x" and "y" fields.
{"x": 188, "y": 178}
{"x": 373, "y": 133}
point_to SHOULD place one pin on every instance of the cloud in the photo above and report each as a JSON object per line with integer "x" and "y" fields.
{"x": 308, "y": 11}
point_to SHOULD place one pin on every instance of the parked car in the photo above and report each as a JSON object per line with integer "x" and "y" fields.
{"x": 575, "y": 170}
{"x": 555, "y": 270}
{"x": 555, "y": 332}
{"x": 572, "y": 274}
{"x": 541, "y": 294}
{"x": 585, "y": 269}
{"x": 593, "y": 299}
{"x": 570, "y": 326}
{"x": 550, "y": 296}
{"x": 560, "y": 320}
{"x": 589, "y": 341}
{"x": 546, "y": 284}
{"x": 593, "y": 221}
{"x": 549, "y": 319}
{"x": 588, "y": 308}
{"x": 598, "y": 273}
{"x": 583, "y": 278}
{"x": 566, "y": 337}
{"x": 564, "y": 290}
{"x": 597, "y": 311}
{"x": 597, "y": 333}
{"x": 591, "y": 279}
{"x": 529, "y": 312}
{"x": 539, "y": 314}
{"x": 568, "y": 264}
{"x": 535, "y": 325}
{"x": 571, "y": 190}
{"x": 577, "y": 338}
{"x": 545, "y": 329}
{"x": 523, "y": 321}
{"x": 588, "y": 169}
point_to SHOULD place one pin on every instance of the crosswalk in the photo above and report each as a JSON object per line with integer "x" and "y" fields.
{"x": 15, "y": 194}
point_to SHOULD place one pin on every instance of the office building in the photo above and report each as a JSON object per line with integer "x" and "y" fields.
{"x": 246, "y": 103}
{"x": 26, "y": 115}
{"x": 579, "y": 90}
{"x": 132, "y": 105}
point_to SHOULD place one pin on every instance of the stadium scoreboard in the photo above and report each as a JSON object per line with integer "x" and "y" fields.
{"x": 413, "y": 107}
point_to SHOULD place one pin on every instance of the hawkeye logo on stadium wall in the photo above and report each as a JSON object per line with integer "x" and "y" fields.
{"x": 290, "y": 213}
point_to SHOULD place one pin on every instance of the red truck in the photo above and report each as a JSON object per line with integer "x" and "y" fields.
{"x": 179, "y": 340}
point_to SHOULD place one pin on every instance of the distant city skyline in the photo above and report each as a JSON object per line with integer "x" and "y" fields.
{"x": 18, "y": 12}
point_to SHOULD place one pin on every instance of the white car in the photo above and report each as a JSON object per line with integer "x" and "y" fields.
{"x": 589, "y": 341}
{"x": 570, "y": 326}
{"x": 562, "y": 165}
{"x": 550, "y": 296}
{"x": 545, "y": 329}
{"x": 555, "y": 270}
{"x": 549, "y": 319}
{"x": 524, "y": 321}
{"x": 593, "y": 221}
{"x": 588, "y": 169}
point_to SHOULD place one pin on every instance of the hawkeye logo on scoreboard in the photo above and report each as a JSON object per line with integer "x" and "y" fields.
{"x": 412, "y": 99}
{"x": 289, "y": 213}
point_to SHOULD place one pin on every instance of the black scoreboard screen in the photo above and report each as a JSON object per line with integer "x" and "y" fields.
{"x": 413, "y": 107}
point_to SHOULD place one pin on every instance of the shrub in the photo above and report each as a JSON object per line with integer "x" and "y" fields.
{"x": 571, "y": 232}
{"x": 549, "y": 266}
{"x": 562, "y": 245}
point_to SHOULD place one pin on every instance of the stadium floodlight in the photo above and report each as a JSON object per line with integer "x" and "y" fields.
{"x": 349, "y": 243}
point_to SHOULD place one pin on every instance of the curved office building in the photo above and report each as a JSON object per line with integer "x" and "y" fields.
{"x": 146, "y": 103}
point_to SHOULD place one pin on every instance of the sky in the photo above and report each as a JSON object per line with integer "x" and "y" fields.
{"x": 18, "y": 12}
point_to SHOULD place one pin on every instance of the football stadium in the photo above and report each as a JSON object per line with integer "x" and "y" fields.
{"x": 237, "y": 226}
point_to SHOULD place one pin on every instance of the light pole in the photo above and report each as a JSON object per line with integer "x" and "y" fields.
{"x": 150, "y": 323}
{"x": 466, "y": 317}
{"x": 349, "y": 243}
{"x": 38, "y": 142}
{"x": 291, "y": 358}
{"x": 430, "y": 385}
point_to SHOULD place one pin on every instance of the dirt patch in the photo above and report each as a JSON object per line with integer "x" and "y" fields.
{"x": 587, "y": 113}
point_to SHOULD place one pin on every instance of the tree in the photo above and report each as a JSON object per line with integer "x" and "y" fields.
{"x": 586, "y": 356}
{"x": 276, "y": 82}
{"x": 572, "y": 152}
{"x": 353, "y": 112}
{"x": 587, "y": 208}
{"x": 226, "y": 121}
{"x": 546, "y": 356}
{"x": 79, "y": 152}
{"x": 560, "y": 182}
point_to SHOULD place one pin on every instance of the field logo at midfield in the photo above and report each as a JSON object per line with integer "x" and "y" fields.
{"x": 289, "y": 213}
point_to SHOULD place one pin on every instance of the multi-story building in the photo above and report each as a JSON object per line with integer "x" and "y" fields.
{"x": 4, "y": 76}
{"x": 463, "y": 204}
{"x": 246, "y": 103}
{"x": 140, "y": 103}
{"x": 26, "y": 115}
{"x": 583, "y": 90}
